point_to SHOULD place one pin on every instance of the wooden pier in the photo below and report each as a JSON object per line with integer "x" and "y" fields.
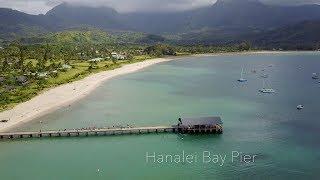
{"x": 88, "y": 132}
{"x": 204, "y": 125}
{"x": 107, "y": 132}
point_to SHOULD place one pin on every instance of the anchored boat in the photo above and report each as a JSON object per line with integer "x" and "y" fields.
{"x": 266, "y": 90}
{"x": 300, "y": 107}
{"x": 241, "y": 77}
{"x": 264, "y": 76}
{"x": 315, "y": 76}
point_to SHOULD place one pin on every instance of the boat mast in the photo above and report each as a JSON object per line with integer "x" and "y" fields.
{"x": 242, "y": 73}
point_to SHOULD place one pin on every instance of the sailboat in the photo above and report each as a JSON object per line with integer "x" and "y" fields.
{"x": 315, "y": 76}
{"x": 266, "y": 90}
{"x": 264, "y": 76}
{"x": 241, "y": 78}
{"x": 300, "y": 107}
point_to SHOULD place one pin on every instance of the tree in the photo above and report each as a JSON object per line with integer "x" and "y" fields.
{"x": 21, "y": 59}
{"x": 47, "y": 54}
{"x": 5, "y": 66}
{"x": 30, "y": 67}
{"x": 244, "y": 46}
{"x": 160, "y": 50}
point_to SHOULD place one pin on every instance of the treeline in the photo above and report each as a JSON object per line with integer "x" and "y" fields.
{"x": 26, "y": 69}
{"x": 19, "y": 59}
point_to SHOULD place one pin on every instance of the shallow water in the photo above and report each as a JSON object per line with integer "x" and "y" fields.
{"x": 284, "y": 140}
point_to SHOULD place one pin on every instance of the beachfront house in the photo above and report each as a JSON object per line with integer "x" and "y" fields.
{"x": 96, "y": 60}
{"x": 66, "y": 66}
{"x": 200, "y": 125}
{"x": 22, "y": 80}
{"x": 42, "y": 74}
{"x": 118, "y": 56}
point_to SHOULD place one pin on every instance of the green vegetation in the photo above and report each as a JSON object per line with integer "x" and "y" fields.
{"x": 160, "y": 50}
{"x": 33, "y": 65}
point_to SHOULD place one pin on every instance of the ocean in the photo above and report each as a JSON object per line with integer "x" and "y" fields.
{"x": 281, "y": 141}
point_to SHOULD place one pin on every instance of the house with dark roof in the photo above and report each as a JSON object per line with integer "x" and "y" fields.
{"x": 22, "y": 80}
{"x": 207, "y": 125}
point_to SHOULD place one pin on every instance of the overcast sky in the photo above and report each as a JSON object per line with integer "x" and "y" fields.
{"x": 42, "y": 6}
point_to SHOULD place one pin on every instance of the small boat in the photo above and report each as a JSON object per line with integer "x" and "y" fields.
{"x": 241, "y": 77}
{"x": 300, "y": 107}
{"x": 4, "y": 121}
{"x": 264, "y": 76}
{"x": 315, "y": 76}
{"x": 266, "y": 90}
{"x": 242, "y": 80}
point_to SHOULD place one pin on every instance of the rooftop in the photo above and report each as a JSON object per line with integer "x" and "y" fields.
{"x": 95, "y": 60}
{"x": 200, "y": 121}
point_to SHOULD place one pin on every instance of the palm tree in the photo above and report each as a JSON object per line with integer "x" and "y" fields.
{"x": 21, "y": 59}
{"x": 29, "y": 67}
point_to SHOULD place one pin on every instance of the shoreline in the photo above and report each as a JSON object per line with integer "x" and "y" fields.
{"x": 250, "y": 53}
{"x": 66, "y": 94}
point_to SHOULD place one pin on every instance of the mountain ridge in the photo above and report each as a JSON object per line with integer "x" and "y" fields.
{"x": 224, "y": 22}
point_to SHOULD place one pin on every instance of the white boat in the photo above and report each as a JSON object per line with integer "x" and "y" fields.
{"x": 300, "y": 107}
{"x": 264, "y": 76}
{"x": 241, "y": 77}
{"x": 266, "y": 90}
{"x": 315, "y": 76}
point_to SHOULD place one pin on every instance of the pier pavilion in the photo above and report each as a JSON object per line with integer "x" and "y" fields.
{"x": 206, "y": 125}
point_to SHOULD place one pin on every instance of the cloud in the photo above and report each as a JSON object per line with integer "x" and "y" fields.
{"x": 144, "y": 5}
{"x": 30, "y": 6}
{"x": 291, "y": 2}
{"x": 42, "y": 6}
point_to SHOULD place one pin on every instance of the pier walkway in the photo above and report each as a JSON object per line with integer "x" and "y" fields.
{"x": 88, "y": 132}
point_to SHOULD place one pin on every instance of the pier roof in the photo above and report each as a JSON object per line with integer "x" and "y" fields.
{"x": 200, "y": 121}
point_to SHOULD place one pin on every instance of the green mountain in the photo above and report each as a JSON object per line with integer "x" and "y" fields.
{"x": 14, "y": 23}
{"x": 70, "y": 37}
{"x": 93, "y": 36}
{"x": 304, "y": 35}
{"x": 227, "y": 21}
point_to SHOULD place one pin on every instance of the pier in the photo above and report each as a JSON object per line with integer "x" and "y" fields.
{"x": 206, "y": 125}
{"x": 88, "y": 132}
{"x": 108, "y": 132}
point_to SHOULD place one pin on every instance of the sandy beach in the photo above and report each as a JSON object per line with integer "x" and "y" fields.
{"x": 65, "y": 95}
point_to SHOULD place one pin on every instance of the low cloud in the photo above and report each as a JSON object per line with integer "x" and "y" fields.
{"x": 42, "y": 6}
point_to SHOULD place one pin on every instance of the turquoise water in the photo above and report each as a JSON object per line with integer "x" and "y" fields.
{"x": 284, "y": 141}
